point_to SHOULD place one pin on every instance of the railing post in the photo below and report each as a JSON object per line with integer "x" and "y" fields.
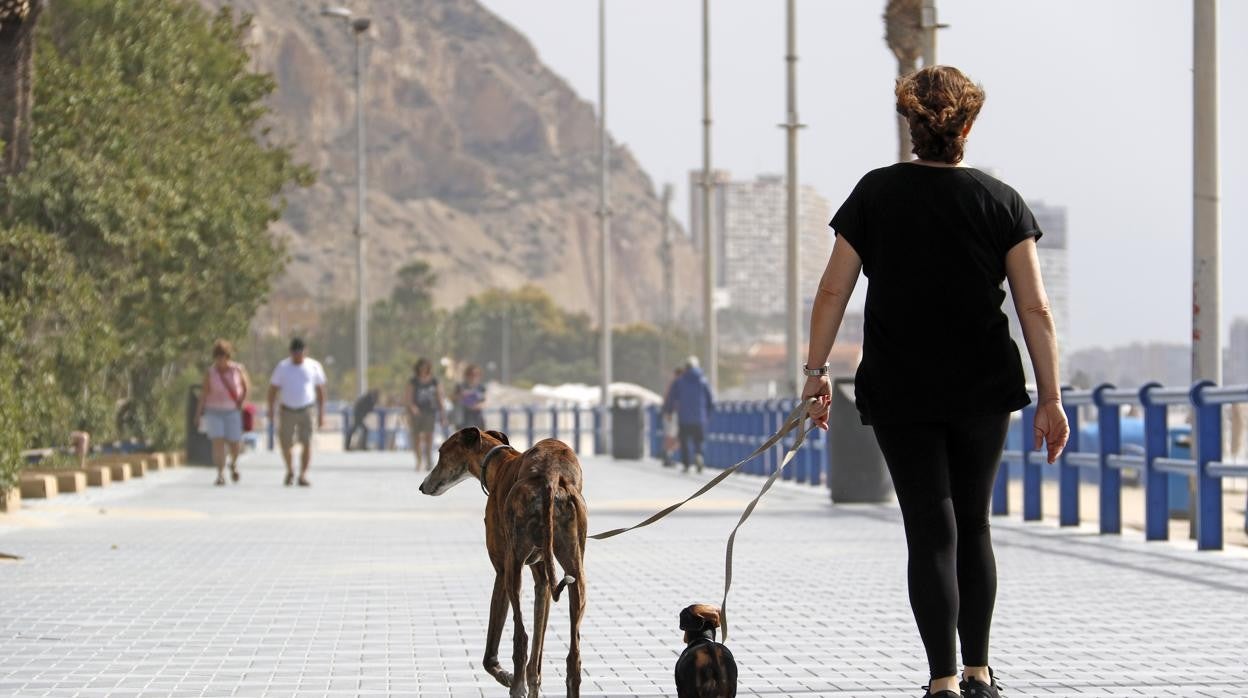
{"x": 1068, "y": 513}
{"x": 1109, "y": 424}
{"x": 1156, "y": 483}
{"x": 271, "y": 427}
{"x": 1208, "y": 432}
{"x": 381, "y": 430}
{"x": 576, "y": 429}
{"x": 346, "y": 428}
{"x": 1033, "y": 475}
{"x": 530, "y": 431}
{"x": 554, "y": 422}
{"x": 1001, "y": 487}
{"x": 504, "y": 418}
{"x": 818, "y": 455}
{"x": 597, "y": 424}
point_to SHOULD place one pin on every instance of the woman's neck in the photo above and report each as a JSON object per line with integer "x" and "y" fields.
{"x": 933, "y": 163}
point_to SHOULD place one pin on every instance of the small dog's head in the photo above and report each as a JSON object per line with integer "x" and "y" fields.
{"x": 699, "y": 618}
{"x": 459, "y": 458}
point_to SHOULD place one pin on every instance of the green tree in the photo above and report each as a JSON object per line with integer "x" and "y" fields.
{"x": 153, "y": 168}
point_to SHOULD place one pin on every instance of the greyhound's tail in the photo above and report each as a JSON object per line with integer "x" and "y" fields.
{"x": 548, "y": 548}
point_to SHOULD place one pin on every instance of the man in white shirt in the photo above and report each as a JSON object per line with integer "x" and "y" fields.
{"x": 300, "y": 382}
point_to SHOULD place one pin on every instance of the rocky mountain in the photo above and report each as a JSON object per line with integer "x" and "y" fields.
{"x": 481, "y": 160}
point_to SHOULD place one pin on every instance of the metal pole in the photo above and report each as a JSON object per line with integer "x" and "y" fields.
{"x": 1206, "y": 272}
{"x": 361, "y": 327}
{"x": 708, "y": 188}
{"x": 793, "y": 327}
{"x": 604, "y": 219}
{"x": 667, "y": 314}
{"x": 930, "y": 25}
{"x": 1206, "y": 243}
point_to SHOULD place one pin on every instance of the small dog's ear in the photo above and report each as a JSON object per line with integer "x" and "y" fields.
{"x": 699, "y": 617}
{"x": 499, "y": 435}
{"x": 471, "y": 436}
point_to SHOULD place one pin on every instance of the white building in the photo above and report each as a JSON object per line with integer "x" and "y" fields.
{"x": 1235, "y": 358}
{"x": 750, "y": 234}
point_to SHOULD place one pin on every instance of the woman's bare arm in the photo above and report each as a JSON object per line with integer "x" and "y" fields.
{"x": 1022, "y": 268}
{"x": 837, "y": 285}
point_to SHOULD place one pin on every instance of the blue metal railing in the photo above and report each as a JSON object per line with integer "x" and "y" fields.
{"x": 1153, "y": 460}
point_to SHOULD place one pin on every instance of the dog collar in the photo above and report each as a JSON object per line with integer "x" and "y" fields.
{"x": 485, "y": 463}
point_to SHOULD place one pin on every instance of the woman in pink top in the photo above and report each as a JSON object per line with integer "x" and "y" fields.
{"x": 220, "y": 412}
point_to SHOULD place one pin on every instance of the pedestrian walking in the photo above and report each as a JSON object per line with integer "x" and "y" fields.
{"x": 691, "y": 401}
{"x": 671, "y": 430}
{"x": 424, "y": 410}
{"x": 469, "y": 399}
{"x": 299, "y": 382}
{"x": 220, "y": 410}
{"x": 940, "y": 374}
{"x": 363, "y": 407}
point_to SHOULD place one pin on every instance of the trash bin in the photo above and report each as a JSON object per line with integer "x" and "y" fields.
{"x": 856, "y": 468}
{"x": 627, "y": 428}
{"x": 198, "y": 445}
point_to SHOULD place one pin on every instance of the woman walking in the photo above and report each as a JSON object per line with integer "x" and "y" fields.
{"x": 424, "y": 409}
{"x": 940, "y": 374}
{"x": 220, "y": 409}
{"x": 470, "y": 399}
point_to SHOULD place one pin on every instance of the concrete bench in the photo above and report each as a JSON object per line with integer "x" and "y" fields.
{"x": 71, "y": 481}
{"x": 119, "y": 472}
{"x": 37, "y": 486}
{"x": 10, "y": 500}
{"x": 99, "y": 475}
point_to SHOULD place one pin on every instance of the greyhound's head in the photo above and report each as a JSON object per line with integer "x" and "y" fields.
{"x": 459, "y": 458}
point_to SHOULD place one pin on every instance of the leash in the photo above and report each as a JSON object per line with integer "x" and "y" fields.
{"x": 796, "y": 420}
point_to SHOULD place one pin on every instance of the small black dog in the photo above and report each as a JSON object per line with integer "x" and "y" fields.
{"x": 706, "y": 668}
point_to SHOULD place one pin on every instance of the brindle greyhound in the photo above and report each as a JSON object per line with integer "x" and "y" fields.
{"x": 534, "y": 515}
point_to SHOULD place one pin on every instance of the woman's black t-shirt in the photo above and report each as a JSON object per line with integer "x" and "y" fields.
{"x": 933, "y": 242}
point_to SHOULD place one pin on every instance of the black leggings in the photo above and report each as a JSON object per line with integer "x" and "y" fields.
{"x": 943, "y": 473}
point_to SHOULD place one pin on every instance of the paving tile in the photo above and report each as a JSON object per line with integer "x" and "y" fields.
{"x": 359, "y": 586}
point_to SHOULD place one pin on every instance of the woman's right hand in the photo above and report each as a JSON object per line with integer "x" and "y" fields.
{"x": 1051, "y": 428}
{"x": 819, "y": 387}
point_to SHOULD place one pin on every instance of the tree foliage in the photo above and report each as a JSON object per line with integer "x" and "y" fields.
{"x": 152, "y": 173}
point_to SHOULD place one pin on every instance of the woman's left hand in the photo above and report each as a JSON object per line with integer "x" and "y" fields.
{"x": 819, "y": 387}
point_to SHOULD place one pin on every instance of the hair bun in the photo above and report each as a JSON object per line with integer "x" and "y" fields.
{"x": 939, "y": 102}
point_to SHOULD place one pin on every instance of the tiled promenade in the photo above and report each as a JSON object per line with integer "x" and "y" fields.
{"x": 359, "y": 586}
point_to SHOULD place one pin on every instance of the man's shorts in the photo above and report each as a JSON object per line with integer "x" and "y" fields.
{"x": 295, "y": 423}
{"x": 223, "y": 424}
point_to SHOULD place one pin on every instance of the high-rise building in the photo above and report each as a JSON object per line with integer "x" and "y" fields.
{"x": 1051, "y": 249}
{"x": 1235, "y": 362}
{"x": 750, "y": 230}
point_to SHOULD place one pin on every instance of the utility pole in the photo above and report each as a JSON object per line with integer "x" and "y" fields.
{"x": 792, "y": 295}
{"x": 669, "y": 282}
{"x": 708, "y": 189}
{"x": 604, "y": 224}
{"x": 358, "y": 25}
{"x": 930, "y": 26}
{"x": 1206, "y": 241}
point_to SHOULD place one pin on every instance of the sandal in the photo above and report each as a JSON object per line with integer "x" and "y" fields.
{"x": 220, "y": 481}
{"x": 290, "y": 479}
{"x": 303, "y": 482}
{"x": 234, "y": 474}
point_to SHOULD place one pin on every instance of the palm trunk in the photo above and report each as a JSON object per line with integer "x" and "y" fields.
{"x": 17, "y": 53}
{"x": 904, "y": 145}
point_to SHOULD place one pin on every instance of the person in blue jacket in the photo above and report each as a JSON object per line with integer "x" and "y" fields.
{"x": 690, "y": 398}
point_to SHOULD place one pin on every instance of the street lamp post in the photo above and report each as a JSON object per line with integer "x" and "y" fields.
{"x": 792, "y": 291}
{"x": 604, "y": 225}
{"x": 358, "y": 26}
{"x": 708, "y": 190}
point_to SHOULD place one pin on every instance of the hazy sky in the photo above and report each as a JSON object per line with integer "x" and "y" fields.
{"x": 1089, "y": 106}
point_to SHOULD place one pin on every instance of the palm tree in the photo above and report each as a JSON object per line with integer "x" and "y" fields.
{"x": 17, "y": 53}
{"x": 903, "y": 32}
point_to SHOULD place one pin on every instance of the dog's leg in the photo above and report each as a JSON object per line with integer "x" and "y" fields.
{"x": 541, "y": 612}
{"x": 514, "y": 568}
{"x": 571, "y": 555}
{"x": 498, "y": 606}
